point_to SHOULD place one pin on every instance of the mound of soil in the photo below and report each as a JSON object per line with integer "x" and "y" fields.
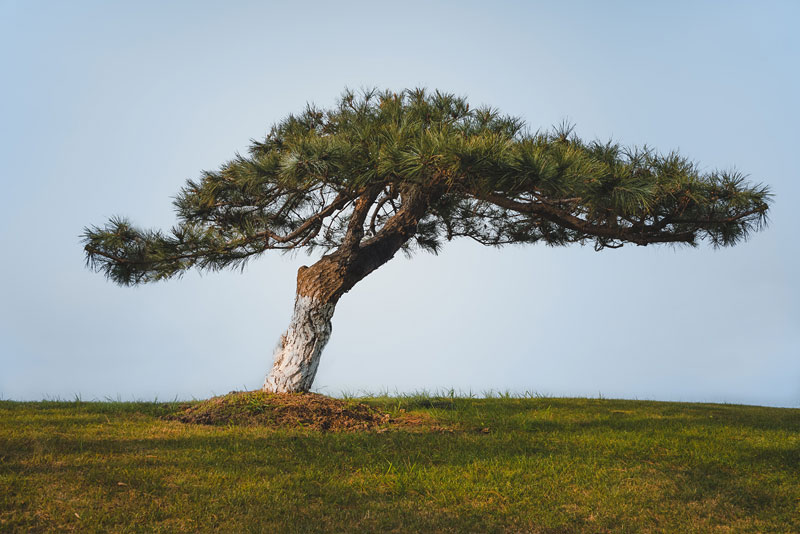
{"x": 292, "y": 410}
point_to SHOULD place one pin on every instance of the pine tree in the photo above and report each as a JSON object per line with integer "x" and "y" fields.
{"x": 383, "y": 172}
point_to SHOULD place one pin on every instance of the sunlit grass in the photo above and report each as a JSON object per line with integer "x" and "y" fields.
{"x": 509, "y": 464}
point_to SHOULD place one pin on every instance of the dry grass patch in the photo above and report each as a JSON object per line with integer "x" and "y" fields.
{"x": 296, "y": 410}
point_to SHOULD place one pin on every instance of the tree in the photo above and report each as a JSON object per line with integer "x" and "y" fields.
{"x": 383, "y": 172}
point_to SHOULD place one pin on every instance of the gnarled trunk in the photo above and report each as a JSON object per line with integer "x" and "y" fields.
{"x": 320, "y": 286}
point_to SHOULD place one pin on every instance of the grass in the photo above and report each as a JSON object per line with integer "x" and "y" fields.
{"x": 502, "y": 464}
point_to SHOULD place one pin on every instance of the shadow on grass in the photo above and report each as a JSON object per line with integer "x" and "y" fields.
{"x": 534, "y": 438}
{"x": 547, "y": 453}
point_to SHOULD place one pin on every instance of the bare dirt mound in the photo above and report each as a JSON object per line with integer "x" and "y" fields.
{"x": 290, "y": 410}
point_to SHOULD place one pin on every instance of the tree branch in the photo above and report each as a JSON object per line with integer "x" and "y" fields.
{"x": 387, "y": 199}
{"x": 355, "y": 228}
{"x": 339, "y": 202}
{"x": 643, "y": 236}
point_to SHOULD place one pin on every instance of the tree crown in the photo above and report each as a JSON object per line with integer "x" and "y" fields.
{"x": 414, "y": 168}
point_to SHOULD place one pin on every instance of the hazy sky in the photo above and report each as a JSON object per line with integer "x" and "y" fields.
{"x": 107, "y": 110}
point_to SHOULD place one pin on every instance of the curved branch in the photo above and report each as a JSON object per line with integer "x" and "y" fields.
{"x": 355, "y": 228}
{"x": 389, "y": 198}
{"x": 339, "y": 202}
{"x": 641, "y": 235}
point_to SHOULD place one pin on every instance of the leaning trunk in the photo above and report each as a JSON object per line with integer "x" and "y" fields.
{"x": 298, "y": 353}
{"x": 320, "y": 286}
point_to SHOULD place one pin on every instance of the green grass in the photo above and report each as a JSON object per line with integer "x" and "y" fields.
{"x": 545, "y": 465}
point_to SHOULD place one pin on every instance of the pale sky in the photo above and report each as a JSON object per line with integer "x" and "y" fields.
{"x": 108, "y": 109}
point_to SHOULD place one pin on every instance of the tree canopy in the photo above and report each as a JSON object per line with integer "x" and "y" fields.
{"x": 383, "y": 172}
{"x": 420, "y": 167}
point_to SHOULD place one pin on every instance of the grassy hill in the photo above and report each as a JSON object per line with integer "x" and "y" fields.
{"x": 422, "y": 464}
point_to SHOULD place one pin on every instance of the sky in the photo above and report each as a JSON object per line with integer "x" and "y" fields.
{"x": 108, "y": 108}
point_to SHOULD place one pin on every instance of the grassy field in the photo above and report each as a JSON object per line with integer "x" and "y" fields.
{"x": 540, "y": 465}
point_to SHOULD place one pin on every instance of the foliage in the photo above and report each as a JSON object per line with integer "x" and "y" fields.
{"x": 339, "y": 178}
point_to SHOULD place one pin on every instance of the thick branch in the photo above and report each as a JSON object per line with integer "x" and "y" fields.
{"x": 355, "y": 228}
{"x": 400, "y": 227}
{"x": 641, "y": 236}
{"x": 389, "y": 198}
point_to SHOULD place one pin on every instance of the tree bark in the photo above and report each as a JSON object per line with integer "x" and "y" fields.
{"x": 298, "y": 353}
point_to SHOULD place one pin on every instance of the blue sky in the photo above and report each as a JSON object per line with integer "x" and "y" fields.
{"x": 108, "y": 109}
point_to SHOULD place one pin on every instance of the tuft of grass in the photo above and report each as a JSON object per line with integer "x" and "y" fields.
{"x": 510, "y": 464}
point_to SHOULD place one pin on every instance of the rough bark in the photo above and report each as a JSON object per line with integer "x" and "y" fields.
{"x": 298, "y": 353}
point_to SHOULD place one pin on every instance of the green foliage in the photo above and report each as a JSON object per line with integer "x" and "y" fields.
{"x": 479, "y": 174}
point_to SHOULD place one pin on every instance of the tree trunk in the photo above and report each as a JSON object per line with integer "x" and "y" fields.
{"x": 320, "y": 286}
{"x": 298, "y": 353}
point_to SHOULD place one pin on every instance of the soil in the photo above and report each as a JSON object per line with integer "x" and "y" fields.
{"x": 296, "y": 410}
